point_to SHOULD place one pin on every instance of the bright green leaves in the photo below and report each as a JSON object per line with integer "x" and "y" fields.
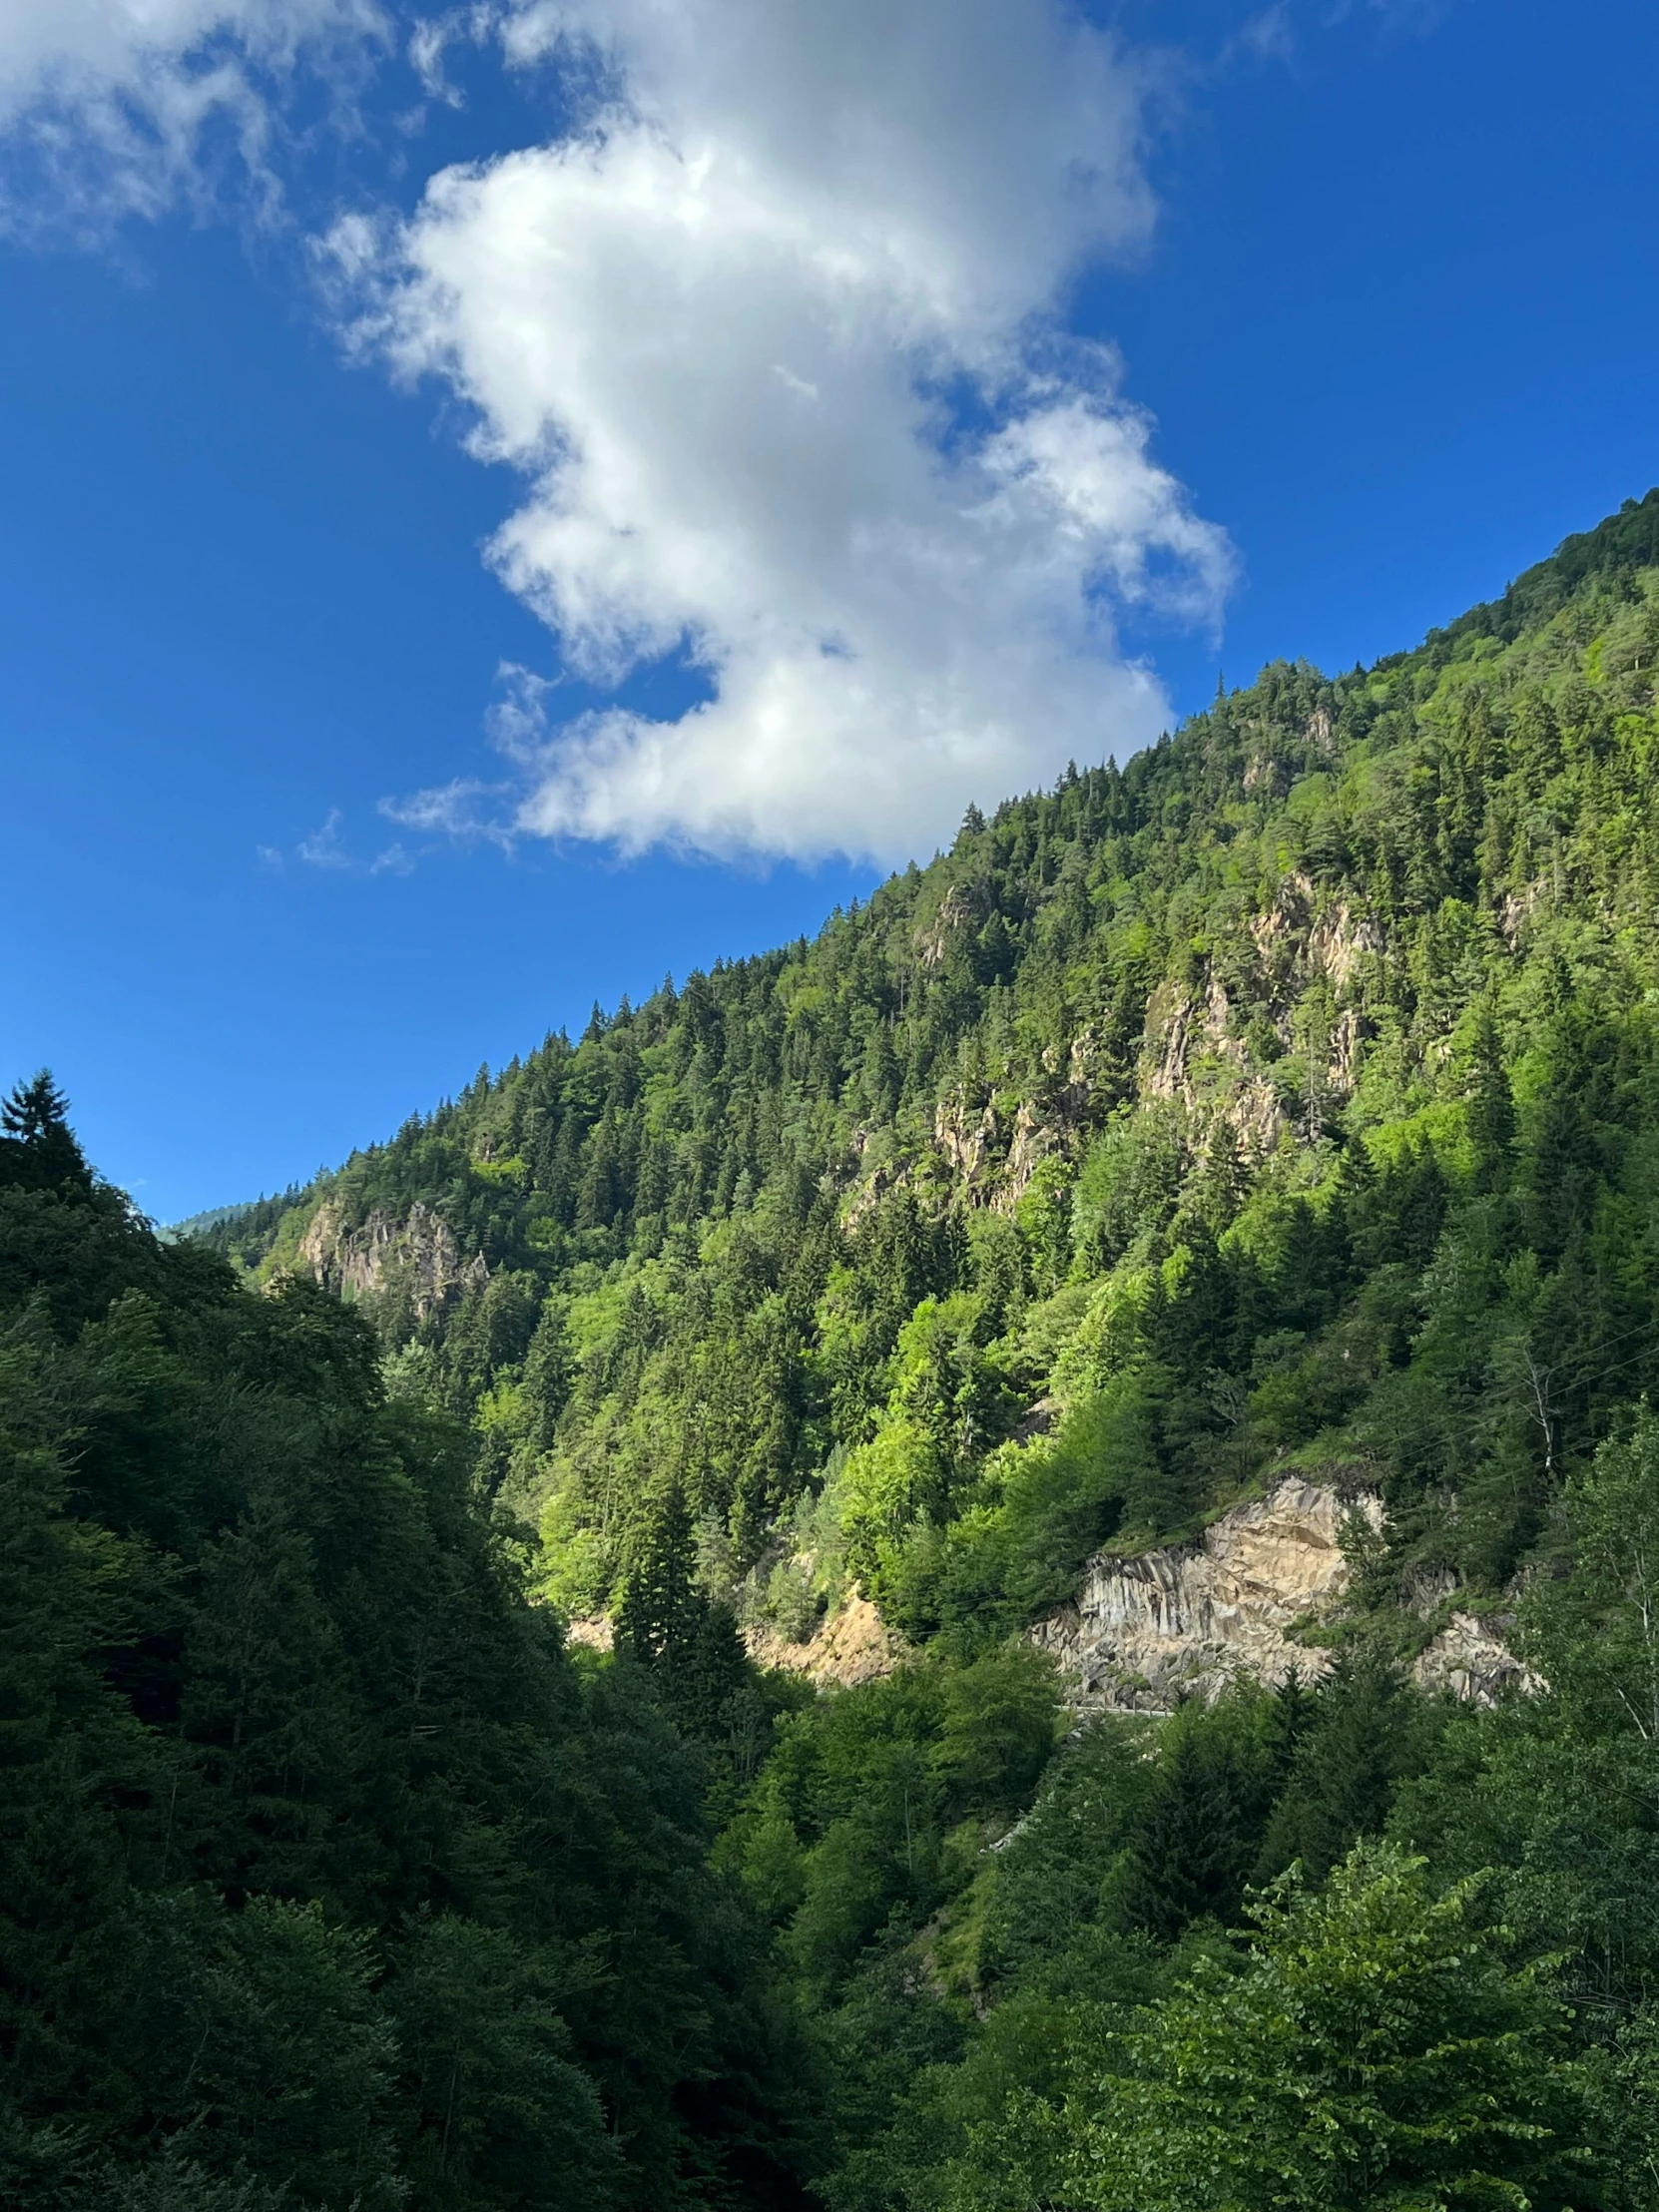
{"x": 949, "y": 1397}
{"x": 1374, "y": 2049}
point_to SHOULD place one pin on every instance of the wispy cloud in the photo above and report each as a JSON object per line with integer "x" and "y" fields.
{"x": 111, "y": 109}
{"x": 325, "y": 849}
{"x": 465, "y": 809}
{"x": 322, "y": 848}
{"x": 433, "y": 36}
{"x": 1267, "y": 36}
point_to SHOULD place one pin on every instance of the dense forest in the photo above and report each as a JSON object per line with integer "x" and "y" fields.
{"x": 1285, "y": 1100}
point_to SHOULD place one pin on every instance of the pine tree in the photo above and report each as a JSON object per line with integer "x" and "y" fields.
{"x": 38, "y": 1151}
{"x": 1491, "y": 1107}
{"x": 689, "y": 1642}
{"x": 1191, "y": 1850}
{"x": 1342, "y": 1771}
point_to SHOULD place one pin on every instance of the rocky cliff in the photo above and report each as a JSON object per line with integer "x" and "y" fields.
{"x": 418, "y": 1253}
{"x": 1185, "y": 1620}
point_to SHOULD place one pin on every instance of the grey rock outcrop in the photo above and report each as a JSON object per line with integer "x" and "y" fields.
{"x": 1186, "y": 1619}
{"x": 1183, "y": 1620}
{"x": 419, "y": 1252}
{"x": 1472, "y": 1661}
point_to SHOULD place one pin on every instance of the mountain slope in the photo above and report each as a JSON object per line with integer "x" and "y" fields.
{"x": 1255, "y": 1148}
{"x": 328, "y": 1878}
{"x": 1149, "y": 1105}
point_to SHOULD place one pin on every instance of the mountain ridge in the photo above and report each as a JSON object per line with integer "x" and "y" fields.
{"x": 1213, "y": 1211}
{"x": 1053, "y": 1025}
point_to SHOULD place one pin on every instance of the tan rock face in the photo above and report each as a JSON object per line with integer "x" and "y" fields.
{"x": 1183, "y": 1620}
{"x": 1340, "y": 940}
{"x": 849, "y": 1646}
{"x": 592, "y": 1630}
{"x": 972, "y": 1143}
{"x": 420, "y": 1250}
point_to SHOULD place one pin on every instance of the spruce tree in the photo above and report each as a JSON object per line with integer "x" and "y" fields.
{"x": 1342, "y": 1770}
{"x": 689, "y": 1641}
{"x": 1191, "y": 1849}
{"x": 38, "y": 1150}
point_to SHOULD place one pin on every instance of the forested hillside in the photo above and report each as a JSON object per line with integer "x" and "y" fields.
{"x": 326, "y": 1876}
{"x": 1284, "y": 1101}
{"x": 1288, "y": 1091}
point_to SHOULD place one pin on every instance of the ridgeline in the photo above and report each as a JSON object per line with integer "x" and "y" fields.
{"x": 1282, "y": 1104}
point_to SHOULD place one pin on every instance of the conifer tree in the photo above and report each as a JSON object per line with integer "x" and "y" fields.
{"x": 1342, "y": 1770}
{"x": 38, "y": 1150}
{"x": 688, "y": 1640}
{"x": 1191, "y": 1850}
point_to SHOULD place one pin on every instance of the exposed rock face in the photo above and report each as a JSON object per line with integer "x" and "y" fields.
{"x": 1519, "y": 908}
{"x": 1170, "y": 1018}
{"x": 1191, "y": 1050}
{"x": 972, "y": 1143}
{"x": 1180, "y": 1621}
{"x": 420, "y": 1252}
{"x": 1185, "y": 1620}
{"x": 849, "y": 1646}
{"x": 1471, "y": 1661}
{"x": 995, "y": 1156}
{"x": 593, "y": 1630}
{"x": 885, "y": 1176}
{"x": 962, "y": 907}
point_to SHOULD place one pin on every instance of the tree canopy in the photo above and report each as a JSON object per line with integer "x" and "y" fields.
{"x": 1284, "y": 1101}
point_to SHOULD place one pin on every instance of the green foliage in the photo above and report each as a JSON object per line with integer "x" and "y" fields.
{"x": 1296, "y": 1080}
{"x": 38, "y": 1150}
{"x": 1284, "y": 1102}
{"x": 869, "y": 1814}
{"x": 1559, "y": 1791}
{"x": 1374, "y": 2048}
{"x": 325, "y": 1877}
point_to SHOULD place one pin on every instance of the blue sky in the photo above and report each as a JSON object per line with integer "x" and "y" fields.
{"x": 280, "y": 870}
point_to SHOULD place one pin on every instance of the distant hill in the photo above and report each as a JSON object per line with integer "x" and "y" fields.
{"x": 212, "y": 1216}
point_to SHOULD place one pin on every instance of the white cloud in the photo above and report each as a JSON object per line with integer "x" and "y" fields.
{"x": 322, "y": 848}
{"x": 107, "y": 107}
{"x": 773, "y": 340}
{"x": 325, "y": 849}
{"x": 463, "y": 808}
{"x": 476, "y": 24}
